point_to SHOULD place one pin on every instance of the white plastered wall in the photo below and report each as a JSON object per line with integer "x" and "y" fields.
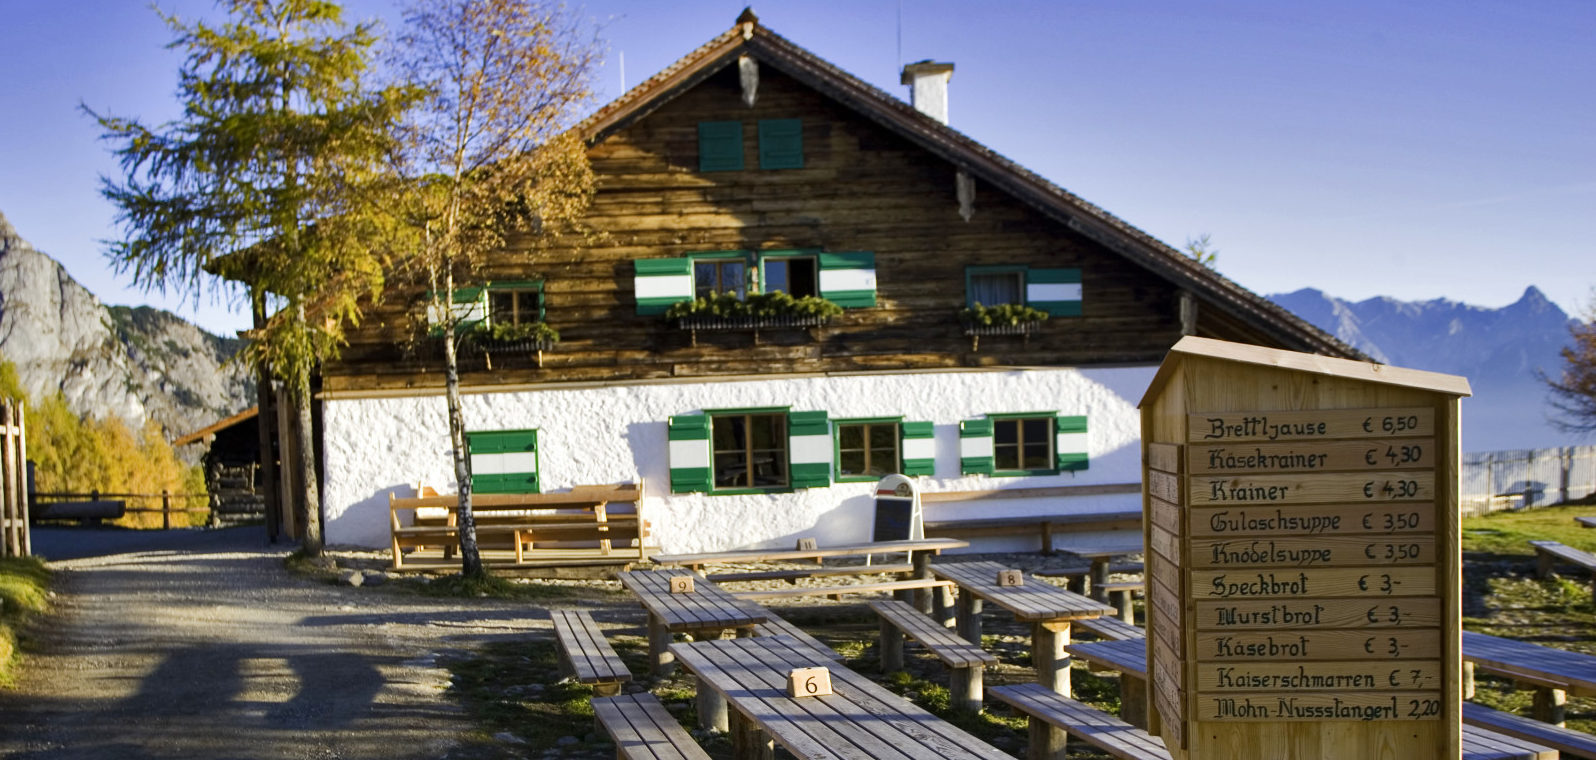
{"x": 616, "y": 434}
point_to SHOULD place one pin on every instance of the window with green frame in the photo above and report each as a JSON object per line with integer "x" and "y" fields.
{"x": 725, "y": 272}
{"x": 515, "y": 303}
{"x": 868, "y": 449}
{"x": 1055, "y": 291}
{"x": 1022, "y": 444}
{"x": 749, "y": 450}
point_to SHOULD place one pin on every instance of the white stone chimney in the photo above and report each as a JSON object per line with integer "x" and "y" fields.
{"x": 929, "y": 81}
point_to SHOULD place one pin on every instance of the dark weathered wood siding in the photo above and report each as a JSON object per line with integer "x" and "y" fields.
{"x": 862, "y": 189}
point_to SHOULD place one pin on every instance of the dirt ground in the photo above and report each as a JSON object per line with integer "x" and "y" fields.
{"x": 199, "y": 644}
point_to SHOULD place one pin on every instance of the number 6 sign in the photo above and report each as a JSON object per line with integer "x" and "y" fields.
{"x": 808, "y": 682}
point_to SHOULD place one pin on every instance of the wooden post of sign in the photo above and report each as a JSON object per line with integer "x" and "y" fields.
{"x": 1303, "y": 556}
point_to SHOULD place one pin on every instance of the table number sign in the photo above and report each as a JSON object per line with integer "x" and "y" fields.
{"x": 1304, "y": 568}
{"x": 681, "y": 584}
{"x": 808, "y": 682}
{"x": 1010, "y": 578}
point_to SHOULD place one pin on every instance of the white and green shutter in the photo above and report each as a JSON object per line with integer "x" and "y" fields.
{"x": 689, "y": 454}
{"x": 1069, "y": 446}
{"x": 720, "y": 146}
{"x": 976, "y": 453}
{"x": 849, "y": 279}
{"x": 809, "y": 449}
{"x": 503, "y": 461}
{"x": 1055, "y": 291}
{"x": 918, "y": 448}
{"x": 468, "y": 307}
{"x": 781, "y": 144}
{"x": 658, "y": 283}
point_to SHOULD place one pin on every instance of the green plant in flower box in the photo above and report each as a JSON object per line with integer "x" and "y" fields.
{"x": 1006, "y": 314}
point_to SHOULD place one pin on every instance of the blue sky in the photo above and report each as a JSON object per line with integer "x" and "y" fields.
{"x": 1417, "y": 150}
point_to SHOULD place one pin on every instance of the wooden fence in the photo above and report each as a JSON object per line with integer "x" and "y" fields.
{"x": 13, "y": 482}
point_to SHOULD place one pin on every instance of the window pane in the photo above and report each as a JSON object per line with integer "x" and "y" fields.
{"x": 883, "y": 436}
{"x": 1005, "y": 432}
{"x": 768, "y": 431}
{"x": 732, "y": 279}
{"x": 776, "y": 275}
{"x": 1036, "y": 457}
{"x": 1037, "y": 429}
{"x": 704, "y": 278}
{"x": 501, "y": 306}
{"x": 850, "y": 436}
{"x": 802, "y": 280}
{"x": 994, "y": 289}
{"x": 731, "y": 470}
{"x": 851, "y": 463}
{"x": 1006, "y": 457}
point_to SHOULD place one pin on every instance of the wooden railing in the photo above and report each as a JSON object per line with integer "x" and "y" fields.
{"x": 166, "y": 498}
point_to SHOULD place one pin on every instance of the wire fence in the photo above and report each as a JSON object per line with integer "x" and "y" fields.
{"x": 1513, "y": 479}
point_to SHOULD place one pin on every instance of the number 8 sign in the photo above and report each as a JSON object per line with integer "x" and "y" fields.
{"x": 808, "y": 682}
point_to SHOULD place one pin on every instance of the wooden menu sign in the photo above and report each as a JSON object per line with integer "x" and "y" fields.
{"x": 1302, "y": 536}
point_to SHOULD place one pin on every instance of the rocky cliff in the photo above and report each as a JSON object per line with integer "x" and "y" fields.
{"x": 134, "y": 363}
{"x": 1498, "y": 350}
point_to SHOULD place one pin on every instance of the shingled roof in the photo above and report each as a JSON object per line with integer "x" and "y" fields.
{"x": 749, "y": 37}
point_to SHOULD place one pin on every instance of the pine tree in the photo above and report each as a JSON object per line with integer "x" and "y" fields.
{"x": 274, "y": 175}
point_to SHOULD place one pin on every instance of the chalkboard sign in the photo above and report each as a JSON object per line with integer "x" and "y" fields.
{"x": 897, "y": 510}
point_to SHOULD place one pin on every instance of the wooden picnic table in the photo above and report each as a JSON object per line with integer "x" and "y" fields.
{"x": 1101, "y": 557}
{"x": 920, "y": 552}
{"x": 705, "y": 612}
{"x": 1129, "y": 657}
{"x": 1573, "y": 672}
{"x": 1586, "y": 521}
{"x": 1048, "y": 608}
{"x": 860, "y": 719}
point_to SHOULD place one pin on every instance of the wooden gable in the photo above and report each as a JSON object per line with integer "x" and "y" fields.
{"x": 842, "y": 181}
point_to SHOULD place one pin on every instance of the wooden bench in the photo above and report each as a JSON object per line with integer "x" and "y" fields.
{"x": 967, "y": 661}
{"x": 1566, "y": 741}
{"x": 837, "y": 592}
{"x": 1549, "y": 553}
{"x": 797, "y": 574}
{"x": 1112, "y": 628}
{"x": 1129, "y": 520}
{"x": 1076, "y": 576}
{"x": 1051, "y": 713}
{"x": 535, "y": 529}
{"x": 586, "y": 653}
{"x": 643, "y": 729}
{"x": 1119, "y": 594}
{"x": 777, "y": 626}
{"x": 1586, "y": 521}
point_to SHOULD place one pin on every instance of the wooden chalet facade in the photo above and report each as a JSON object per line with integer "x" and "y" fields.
{"x": 751, "y": 166}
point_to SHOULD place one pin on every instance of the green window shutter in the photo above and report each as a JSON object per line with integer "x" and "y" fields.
{"x": 689, "y": 453}
{"x": 658, "y": 283}
{"x": 849, "y": 279}
{"x": 1070, "y": 446}
{"x": 809, "y": 449}
{"x": 975, "y": 447}
{"x": 1055, "y": 291}
{"x": 503, "y": 461}
{"x": 720, "y": 146}
{"x": 919, "y": 448}
{"x": 781, "y": 144}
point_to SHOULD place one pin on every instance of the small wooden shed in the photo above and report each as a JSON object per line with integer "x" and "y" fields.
{"x": 1303, "y": 556}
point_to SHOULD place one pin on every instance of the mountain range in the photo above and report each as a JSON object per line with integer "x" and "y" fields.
{"x": 1498, "y": 350}
{"x": 136, "y": 363}
{"x": 140, "y": 363}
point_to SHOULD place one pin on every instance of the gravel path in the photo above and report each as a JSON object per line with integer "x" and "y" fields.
{"x": 200, "y": 645}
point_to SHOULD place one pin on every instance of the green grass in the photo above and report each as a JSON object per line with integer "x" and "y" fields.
{"x": 1508, "y": 534}
{"x": 24, "y": 591}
